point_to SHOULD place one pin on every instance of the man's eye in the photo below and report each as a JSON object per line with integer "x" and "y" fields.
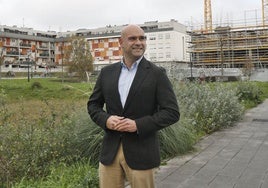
{"x": 142, "y": 38}
{"x": 134, "y": 38}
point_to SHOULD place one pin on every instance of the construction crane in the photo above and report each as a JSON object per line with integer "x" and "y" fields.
{"x": 264, "y": 12}
{"x": 208, "y": 15}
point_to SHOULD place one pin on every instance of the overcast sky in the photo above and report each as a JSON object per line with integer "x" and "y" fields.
{"x": 64, "y": 15}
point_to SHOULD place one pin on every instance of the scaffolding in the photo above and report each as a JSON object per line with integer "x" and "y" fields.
{"x": 241, "y": 44}
{"x": 230, "y": 47}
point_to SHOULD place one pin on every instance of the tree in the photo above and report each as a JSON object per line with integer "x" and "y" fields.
{"x": 1, "y": 61}
{"x": 248, "y": 67}
{"x": 78, "y": 58}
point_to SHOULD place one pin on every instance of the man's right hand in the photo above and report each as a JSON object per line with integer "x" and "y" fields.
{"x": 112, "y": 121}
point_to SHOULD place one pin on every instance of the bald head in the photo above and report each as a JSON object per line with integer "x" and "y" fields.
{"x": 131, "y": 29}
{"x": 133, "y": 43}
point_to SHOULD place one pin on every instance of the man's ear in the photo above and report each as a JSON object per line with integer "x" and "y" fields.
{"x": 120, "y": 41}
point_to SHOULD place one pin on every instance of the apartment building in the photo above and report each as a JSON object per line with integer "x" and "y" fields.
{"x": 20, "y": 44}
{"x": 166, "y": 41}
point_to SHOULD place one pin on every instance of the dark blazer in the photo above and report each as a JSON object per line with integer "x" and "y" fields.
{"x": 151, "y": 102}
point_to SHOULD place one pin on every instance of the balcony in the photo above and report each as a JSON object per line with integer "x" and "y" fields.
{"x": 44, "y": 54}
{"x": 13, "y": 53}
{"x": 11, "y": 44}
{"x": 42, "y": 47}
{"x": 25, "y": 45}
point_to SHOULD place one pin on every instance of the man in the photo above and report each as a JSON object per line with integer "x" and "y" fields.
{"x": 139, "y": 101}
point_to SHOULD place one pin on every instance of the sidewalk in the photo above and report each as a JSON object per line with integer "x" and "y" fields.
{"x": 236, "y": 157}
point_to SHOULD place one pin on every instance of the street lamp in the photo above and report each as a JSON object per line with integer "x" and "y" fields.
{"x": 28, "y": 62}
{"x": 191, "y": 68}
{"x": 61, "y": 51}
{"x": 1, "y": 61}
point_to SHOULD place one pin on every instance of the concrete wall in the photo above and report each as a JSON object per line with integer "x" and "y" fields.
{"x": 260, "y": 75}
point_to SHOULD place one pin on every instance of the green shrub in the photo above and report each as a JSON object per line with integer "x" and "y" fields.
{"x": 28, "y": 147}
{"x": 212, "y": 106}
{"x": 249, "y": 93}
{"x": 79, "y": 175}
{"x": 177, "y": 139}
{"x": 36, "y": 85}
{"x": 4, "y": 113}
{"x": 89, "y": 137}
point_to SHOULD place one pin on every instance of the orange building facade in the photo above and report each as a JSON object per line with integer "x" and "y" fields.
{"x": 105, "y": 49}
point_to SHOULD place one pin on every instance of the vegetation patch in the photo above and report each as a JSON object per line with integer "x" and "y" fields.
{"x": 48, "y": 140}
{"x": 36, "y": 85}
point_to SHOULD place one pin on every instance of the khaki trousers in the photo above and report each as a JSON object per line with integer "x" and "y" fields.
{"x": 116, "y": 174}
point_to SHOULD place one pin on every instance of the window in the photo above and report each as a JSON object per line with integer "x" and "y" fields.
{"x": 168, "y": 46}
{"x": 160, "y": 56}
{"x": 160, "y": 36}
{"x": 152, "y": 56}
{"x": 168, "y": 55}
{"x": 160, "y": 46}
{"x": 152, "y": 47}
{"x": 109, "y": 53}
{"x": 167, "y": 36}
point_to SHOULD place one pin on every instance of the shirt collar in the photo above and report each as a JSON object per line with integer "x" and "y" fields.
{"x": 137, "y": 62}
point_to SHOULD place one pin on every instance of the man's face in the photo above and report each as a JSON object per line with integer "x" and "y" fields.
{"x": 133, "y": 43}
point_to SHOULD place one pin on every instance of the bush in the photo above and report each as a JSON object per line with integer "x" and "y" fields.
{"x": 212, "y": 106}
{"x": 249, "y": 93}
{"x": 4, "y": 113}
{"x": 89, "y": 138}
{"x": 10, "y": 74}
{"x": 177, "y": 139}
{"x": 29, "y": 147}
{"x": 79, "y": 175}
{"x": 36, "y": 85}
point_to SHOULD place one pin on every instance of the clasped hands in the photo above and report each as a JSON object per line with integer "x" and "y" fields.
{"x": 121, "y": 124}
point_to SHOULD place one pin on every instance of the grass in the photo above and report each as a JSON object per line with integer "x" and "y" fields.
{"x": 41, "y": 97}
{"x": 264, "y": 89}
{"x": 48, "y": 88}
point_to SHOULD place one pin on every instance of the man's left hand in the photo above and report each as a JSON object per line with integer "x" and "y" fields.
{"x": 126, "y": 125}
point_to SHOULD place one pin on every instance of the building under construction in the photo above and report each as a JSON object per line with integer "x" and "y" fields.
{"x": 239, "y": 46}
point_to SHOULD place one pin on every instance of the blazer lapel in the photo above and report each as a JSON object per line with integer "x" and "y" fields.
{"x": 141, "y": 74}
{"x": 114, "y": 81}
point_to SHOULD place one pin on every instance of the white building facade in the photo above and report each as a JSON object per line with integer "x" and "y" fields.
{"x": 166, "y": 46}
{"x": 166, "y": 41}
